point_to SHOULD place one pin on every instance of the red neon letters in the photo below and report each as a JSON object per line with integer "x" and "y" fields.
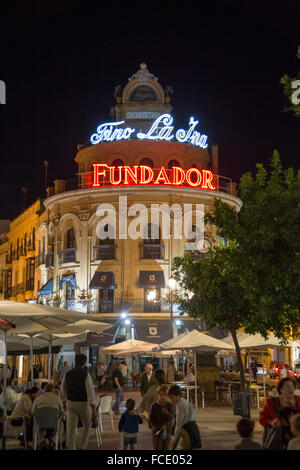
{"x": 104, "y": 175}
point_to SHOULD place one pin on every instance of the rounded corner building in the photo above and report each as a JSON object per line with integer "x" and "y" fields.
{"x": 110, "y": 240}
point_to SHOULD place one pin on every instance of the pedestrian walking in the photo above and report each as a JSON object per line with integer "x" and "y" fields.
{"x": 186, "y": 429}
{"x": 245, "y": 428}
{"x": 278, "y": 411}
{"x": 294, "y": 443}
{"x": 171, "y": 371}
{"x": 151, "y": 394}
{"x": 100, "y": 372}
{"x": 77, "y": 394}
{"x": 148, "y": 379}
{"x": 254, "y": 367}
{"x": 129, "y": 425}
{"x": 161, "y": 417}
{"x": 118, "y": 383}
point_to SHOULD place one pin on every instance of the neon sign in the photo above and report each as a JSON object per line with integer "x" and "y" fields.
{"x": 161, "y": 129}
{"x": 104, "y": 175}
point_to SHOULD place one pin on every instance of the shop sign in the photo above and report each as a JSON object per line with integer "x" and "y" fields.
{"x": 161, "y": 130}
{"x": 104, "y": 175}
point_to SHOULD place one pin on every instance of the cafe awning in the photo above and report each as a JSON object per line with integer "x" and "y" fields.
{"x": 154, "y": 331}
{"x": 103, "y": 280}
{"x": 69, "y": 278}
{"x": 148, "y": 279}
{"x": 47, "y": 288}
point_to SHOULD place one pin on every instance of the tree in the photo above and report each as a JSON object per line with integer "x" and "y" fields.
{"x": 266, "y": 232}
{"x": 213, "y": 291}
{"x": 254, "y": 280}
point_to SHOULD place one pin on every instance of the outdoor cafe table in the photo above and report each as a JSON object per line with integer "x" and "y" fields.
{"x": 188, "y": 387}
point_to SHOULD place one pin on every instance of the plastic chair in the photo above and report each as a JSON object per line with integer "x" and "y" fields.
{"x": 105, "y": 408}
{"x": 15, "y": 430}
{"x": 45, "y": 419}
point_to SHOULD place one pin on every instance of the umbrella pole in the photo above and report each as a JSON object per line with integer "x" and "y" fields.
{"x": 4, "y": 392}
{"x": 196, "y": 383}
{"x": 263, "y": 370}
{"x": 31, "y": 359}
{"x": 49, "y": 358}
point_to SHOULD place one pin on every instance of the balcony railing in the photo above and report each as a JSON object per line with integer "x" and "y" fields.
{"x": 67, "y": 256}
{"x": 130, "y": 307}
{"x": 102, "y": 252}
{"x": 49, "y": 260}
{"x": 152, "y": 251}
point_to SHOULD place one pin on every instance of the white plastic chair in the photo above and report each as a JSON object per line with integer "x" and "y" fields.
{"x": 11, "y": 430}
{"x": 44, "y": 419}
{"x": 105, "y": 408}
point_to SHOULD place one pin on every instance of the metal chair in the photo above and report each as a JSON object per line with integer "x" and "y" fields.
{"x": 14, "y": 430}
{"x": 105, "y": 408}
{"x": 45, "y": 419}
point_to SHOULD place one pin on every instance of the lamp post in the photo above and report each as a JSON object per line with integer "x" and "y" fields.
{"x": 172, "y": 286}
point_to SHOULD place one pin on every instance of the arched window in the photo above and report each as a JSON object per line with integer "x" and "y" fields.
{"x": 173, "y": 163}
{"x": 147, "y": 162}
{"x": 71, "y": 240}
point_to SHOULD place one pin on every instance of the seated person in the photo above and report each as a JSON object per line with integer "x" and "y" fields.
{"x": 15, "y": 386}
{"x": 43, "y": 387}
{"x": 11, "y": 399}
{"x": 23, "y": 409}
{"x": 48, "y": 400}
{"x": 190, "y": 377}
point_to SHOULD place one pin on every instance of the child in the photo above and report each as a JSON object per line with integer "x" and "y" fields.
{"x": 186, "y": 427}
{"x": 129, "y": 425}
{"x": 294, "y": 444}
{"x": 245, "y": 428}
{"x": 161, "y": 417}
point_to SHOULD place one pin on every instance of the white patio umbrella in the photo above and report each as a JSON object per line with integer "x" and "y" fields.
{"x": 35, "y": 318}
{"x": 126, "y": 345}
{"x": 257, "y": 341}
{"x": 198, "y": 342}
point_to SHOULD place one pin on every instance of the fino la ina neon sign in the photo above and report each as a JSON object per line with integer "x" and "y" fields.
{"x": 161, "y": 129}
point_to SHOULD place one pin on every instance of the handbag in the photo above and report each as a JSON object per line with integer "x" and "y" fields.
{"x": 272, "y": 437}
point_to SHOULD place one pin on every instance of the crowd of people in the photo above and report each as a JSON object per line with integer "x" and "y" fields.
{"x": 169, "y": 417}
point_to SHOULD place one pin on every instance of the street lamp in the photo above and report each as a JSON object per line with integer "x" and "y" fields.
{"x": 172, "y": 286}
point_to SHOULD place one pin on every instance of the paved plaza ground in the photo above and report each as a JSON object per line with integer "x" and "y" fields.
{"x": 217, "y": 426}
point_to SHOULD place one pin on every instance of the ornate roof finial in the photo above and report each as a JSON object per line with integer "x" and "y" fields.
{"x": 143, "y": 75}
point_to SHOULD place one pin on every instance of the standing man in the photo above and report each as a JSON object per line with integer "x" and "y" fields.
{"x": 78, "y": 396}
{"x": 118, "y": 382}
{"x": 148, "y": 379}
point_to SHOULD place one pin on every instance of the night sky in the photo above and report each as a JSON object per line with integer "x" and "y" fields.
{"x": 61, "y": 61}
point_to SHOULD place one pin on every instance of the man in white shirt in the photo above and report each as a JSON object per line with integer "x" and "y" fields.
{"x": 124, "y": 369}
{"x": 77, "y": 392}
